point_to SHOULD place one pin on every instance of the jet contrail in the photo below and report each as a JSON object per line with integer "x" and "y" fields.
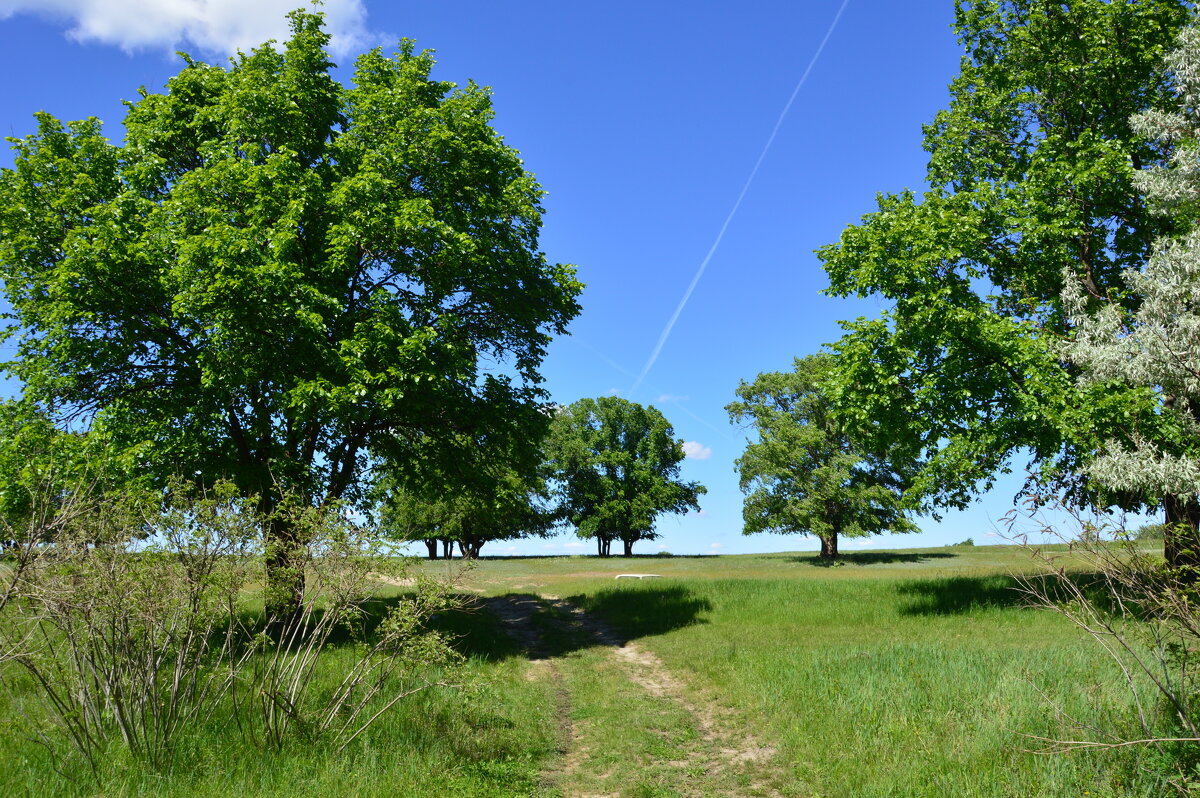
{"x": 666, "y": 333}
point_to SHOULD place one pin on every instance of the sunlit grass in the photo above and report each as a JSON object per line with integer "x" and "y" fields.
{"x": 912, "y": 681}
{"x": 903, "y": 673}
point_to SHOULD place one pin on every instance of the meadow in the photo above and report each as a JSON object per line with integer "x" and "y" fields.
{"x": 897, "y": 673}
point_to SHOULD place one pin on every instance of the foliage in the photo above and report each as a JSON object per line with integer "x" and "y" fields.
{"x": 41, "y": 467}
{"x": 1155, "y": 347}
{"x": 145, "y": 642}
{"x": 508, "y": 505}
{"x": 616, "y": 468}
{"x": 1030, "y": 184}
{"x": 807, "y": 473}
{"x": 1149, "y": 532}
{"x": 277, "y": 276}
{"x": 1141, "y": 611}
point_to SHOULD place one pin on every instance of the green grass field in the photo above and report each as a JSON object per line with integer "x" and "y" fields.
{"x": 899, "y": 673}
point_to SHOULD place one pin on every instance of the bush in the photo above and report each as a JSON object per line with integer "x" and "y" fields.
{"x": 1143, "y": 613}
{"x": 140, "y": 641}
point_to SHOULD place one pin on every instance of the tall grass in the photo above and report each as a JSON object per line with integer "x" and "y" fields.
{"x": 494, "y": 740}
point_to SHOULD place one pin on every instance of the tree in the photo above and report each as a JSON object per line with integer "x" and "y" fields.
{"x": 1031, "y": 182}
{"x": 47, "y": 472}
{"x": 807, "y": 474}
{"x": 505, "y": 506}
{"x": 616, "y": 465}
{"x": 278, "y": 278}
{"x": 1156, "y": 347}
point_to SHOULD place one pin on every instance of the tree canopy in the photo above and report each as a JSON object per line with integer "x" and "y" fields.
{"x": 1156, "y": 346}
{"x": 277, "y": 277}
{"x": 501, "y": 503}
{"x": 1030, "y": 183}
{"x": 615, "y": 465}
{"x": 806, "y": 473}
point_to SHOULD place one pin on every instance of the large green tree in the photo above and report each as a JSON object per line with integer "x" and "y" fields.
{"x": 616, "y": 467}
{"x": 805, "y": 472}
{"x": 1030, "y": 183}
{"x": 277, "y": 277}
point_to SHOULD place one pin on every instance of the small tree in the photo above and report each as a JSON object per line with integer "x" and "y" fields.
{"x": 806, "y": 474}
{"x": 616, "y": 466}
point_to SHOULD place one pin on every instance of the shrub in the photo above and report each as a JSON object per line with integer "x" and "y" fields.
{"x": 1143, "y": 613}
{"x": 136, "y": 627}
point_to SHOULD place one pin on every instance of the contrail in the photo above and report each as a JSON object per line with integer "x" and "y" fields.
{"x": 666, "y": 333}
{"x": 618, "y": 367}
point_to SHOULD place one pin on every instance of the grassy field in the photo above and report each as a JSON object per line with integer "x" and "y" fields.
{"x": 899, "y": 673}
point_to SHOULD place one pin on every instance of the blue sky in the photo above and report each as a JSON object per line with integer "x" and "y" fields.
{"x": 643, "y": 121}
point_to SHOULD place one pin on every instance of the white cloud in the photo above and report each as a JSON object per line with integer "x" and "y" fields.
{"x": 614, "y": 391}
{"x": 715, "y": 546}
{"x": 575, "y": 544}
{"x": 211, "y": 26}
{"x": 670, "y": 397}
{"x": 696, "y": 451}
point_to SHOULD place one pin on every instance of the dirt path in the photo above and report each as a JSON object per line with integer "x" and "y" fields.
{"x": 721, "y": 754}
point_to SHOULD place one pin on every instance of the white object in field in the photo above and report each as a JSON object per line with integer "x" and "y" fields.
{"x": 638, "y": 576}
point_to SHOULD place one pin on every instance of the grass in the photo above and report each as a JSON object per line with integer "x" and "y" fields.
{"x": 869, "y": 688}
{"x": 495, "y": 739}
{"x": 901, "y": 673}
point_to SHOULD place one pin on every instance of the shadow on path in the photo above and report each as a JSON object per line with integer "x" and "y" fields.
{"x": 547, "y": 627}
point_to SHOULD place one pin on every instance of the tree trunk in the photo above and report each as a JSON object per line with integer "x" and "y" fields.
{"x": 829, "y": 550}
{"x": 285, "y": 570}
{"x": 432, "y": 547}
{"x": 448, "y": 549}
{"x": 603, "y": 546}
{"x": 628, "y": 546}
{"x": 1181, "y": 539}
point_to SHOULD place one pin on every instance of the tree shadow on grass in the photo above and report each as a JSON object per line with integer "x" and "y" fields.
{"x": 871, "y": 558}
{"x": 643, "y": 611}
{"x": 957, "y": 595}
{"x": 522, "y": 624}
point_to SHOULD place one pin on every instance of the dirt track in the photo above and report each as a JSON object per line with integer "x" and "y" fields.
{"x": 721, "y": 752}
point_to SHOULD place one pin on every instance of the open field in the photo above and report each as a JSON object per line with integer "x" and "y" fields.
{"x": 900, "y": 673}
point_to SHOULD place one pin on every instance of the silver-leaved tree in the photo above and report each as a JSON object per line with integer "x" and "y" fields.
{"x": 1156, "y": 346}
